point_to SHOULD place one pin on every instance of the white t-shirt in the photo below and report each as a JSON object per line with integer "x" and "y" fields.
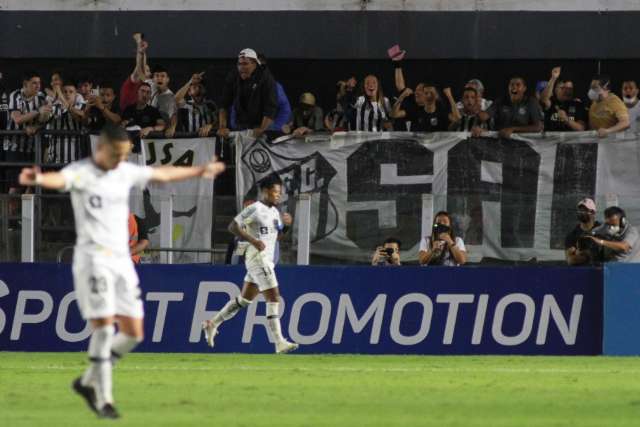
{"x": 100, "y": 201}
{"x": 263, "y": 223}
{"x": 447, "y": 258}
{"x": 634, "y": 117}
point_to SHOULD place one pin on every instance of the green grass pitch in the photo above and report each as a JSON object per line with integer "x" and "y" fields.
{"x": 331, "y": 390}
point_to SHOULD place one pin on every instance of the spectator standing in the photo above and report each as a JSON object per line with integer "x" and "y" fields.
{"x": 163, "y": 98}
{"x": 423, "y": 111}
{"x": 562, "y": 112}
{"x": 85, "y": 85}
{"x": 196, "y": 112}
{"x": 518, "y": 113}
{"x": 336, "y": 119}
{"x": 4, "y": 109}
{"x": 102, "y": 109}
{"x": 28, "y": 111}
{"x": 607, "y": 114}
{"x": 479, "y": 87}
{"x": 579, "y": 249}
{"x": 68, "y": 114}
{"x": 630, "y": 98}
{"x": 142, "y": 114}
{"x": 251, "y": 90}
{"x": 468, "y": 119}
{"x": 307, "y": 117}
{"x": 141, "y": 73}
{"x": 619, "y": 240}
{"x": 405, "y": 101}
{"x": 369, "y": 112}
{"x": 138, "y": 237}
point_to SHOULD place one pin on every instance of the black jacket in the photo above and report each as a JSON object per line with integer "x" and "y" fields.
{"x": 253, "y": 98}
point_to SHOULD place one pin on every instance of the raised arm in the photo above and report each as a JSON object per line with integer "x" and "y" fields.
{"x": 32, "y": 176}
{"x": 180, "y": 173}
{"x": 454, "y": 116}
{"x": 545, "y": 97}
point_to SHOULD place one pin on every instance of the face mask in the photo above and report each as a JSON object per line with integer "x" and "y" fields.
{"x": 614, "y": 229}
{"x": 628, "y": 100}
{"x": 584, "y": 217}
{"x": 593, "y": 94}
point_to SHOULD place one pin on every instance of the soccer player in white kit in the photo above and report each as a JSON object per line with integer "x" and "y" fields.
{"x": 259, "y": 224}
{"x": 105, "y": 281}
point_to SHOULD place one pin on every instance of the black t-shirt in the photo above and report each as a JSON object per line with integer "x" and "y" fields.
{"x": 574, "y": 108}
{"x": 147, "y": 117}
{"x": 506, "y": 114}
{"x": 143, "y": 233}
{"x": 97, "y": 119}
{"x": 422, "y": 121}
{"x": 571, "y": 241}
{"x": 4, "y": 109}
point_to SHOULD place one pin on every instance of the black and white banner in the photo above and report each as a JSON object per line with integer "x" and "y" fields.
{"x": 511, "y": 199}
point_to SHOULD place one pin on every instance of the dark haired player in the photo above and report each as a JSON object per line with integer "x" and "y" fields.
{"x": 259, "y": 224}
{"x": 104, "y": 279}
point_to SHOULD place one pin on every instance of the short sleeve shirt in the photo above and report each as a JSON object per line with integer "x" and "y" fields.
{"x": 147, "y": 117}
{"x": 262, "y": 222}
{"x": 505, "y": 114}
{"x": 447, "y": 258}
{"x": 607, "y": 113}
{"x": 575, "y": 111}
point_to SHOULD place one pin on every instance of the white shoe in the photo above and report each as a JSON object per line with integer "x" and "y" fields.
{"x": 210, "y": 331}
{"x": 285, "y": 347}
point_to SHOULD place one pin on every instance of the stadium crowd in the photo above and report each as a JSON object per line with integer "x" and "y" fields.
{"x": 252, "y": 98}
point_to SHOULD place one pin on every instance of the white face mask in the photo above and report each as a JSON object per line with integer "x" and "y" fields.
{"x": 630, "y": 100}
{"x": 614, "y": 229}
{"x": 594, "y": 94}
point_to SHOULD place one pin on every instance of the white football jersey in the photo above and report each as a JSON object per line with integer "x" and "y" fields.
{"x": 100, "y": 201}
{"x": 263, "y": 223}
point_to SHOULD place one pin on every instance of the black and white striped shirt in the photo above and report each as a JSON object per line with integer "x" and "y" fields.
{"x": 64, "y": 149}
{"x": 19, "y": 102}
{"x": 370, "y": 116}
{"x": 192, "y": 115}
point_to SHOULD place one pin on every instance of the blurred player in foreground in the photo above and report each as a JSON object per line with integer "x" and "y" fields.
{"x": 105, "y": 281}
{"x": 259, "y": 224}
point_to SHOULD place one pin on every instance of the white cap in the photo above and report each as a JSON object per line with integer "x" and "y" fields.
{"x": 249, "y": 53}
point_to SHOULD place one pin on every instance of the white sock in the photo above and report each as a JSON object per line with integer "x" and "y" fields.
{"x": 100, "y": 369}
{"x": 123, "y": 344}
{"x": 273, "y": 319}
{"x": 230, "y": 309}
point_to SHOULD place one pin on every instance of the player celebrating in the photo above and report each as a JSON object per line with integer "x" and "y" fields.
{"x": 260, "y": 225}
{"x": 104, "y": 278}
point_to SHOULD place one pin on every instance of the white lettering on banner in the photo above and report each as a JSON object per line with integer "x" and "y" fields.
{"x": 61, "y": 320}
{"x": 550, "y": 308}
{"x": 253, "y": 319}
{"x": 4, "y": 291}
{"x": 481, "y": 314}
{"x": 527, "y": 324}
{"x": 454, "y": 301}
{"x": 425, "y": 322}
{"x": 163, "y": 299}
{"x": 21, "y": 318}
{"x": 200, "y": 313}
{"x": 323, "y": 324}
{"x": 346, "y": 309}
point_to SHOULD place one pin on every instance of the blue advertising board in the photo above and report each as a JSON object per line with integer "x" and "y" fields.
{"x": 621, "y": 309}
{"x": 375, "y": 310}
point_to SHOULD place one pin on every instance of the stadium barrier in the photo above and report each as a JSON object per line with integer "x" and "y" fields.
{"x": 371, "y": 310}
{"x": 621, "y": 314}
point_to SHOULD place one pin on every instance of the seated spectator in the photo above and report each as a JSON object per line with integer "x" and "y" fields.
{"x": 196, "y": 113}
{"x": 443, "y": 247}
{"x": 423, "y": 112}
{"x": 562, "y": 112}
{"x": 142, "y": 114}
{"x": 630, "y": 98}
{"x": 387, "y": 254}
{"x": 369, "y": 112}
{"x": 467, "y": 119}
{"x": 607, "y": 114}
{"x": 307, "y": 117}
{"x": 28, "y": 111}
{"x": 479, "y": 87}
{"x": 518, "y": 113}
{"x": 140, "y": 74}
{"x": 138, "y": 237}
{"x": 68, "y": 114}
{"x": 164, "y": 100}
{"x": 579, "y": 248}
{"x": 103, "y": 109}
{"x": 618, "y": 239}
{"x": 251, "y": 90}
